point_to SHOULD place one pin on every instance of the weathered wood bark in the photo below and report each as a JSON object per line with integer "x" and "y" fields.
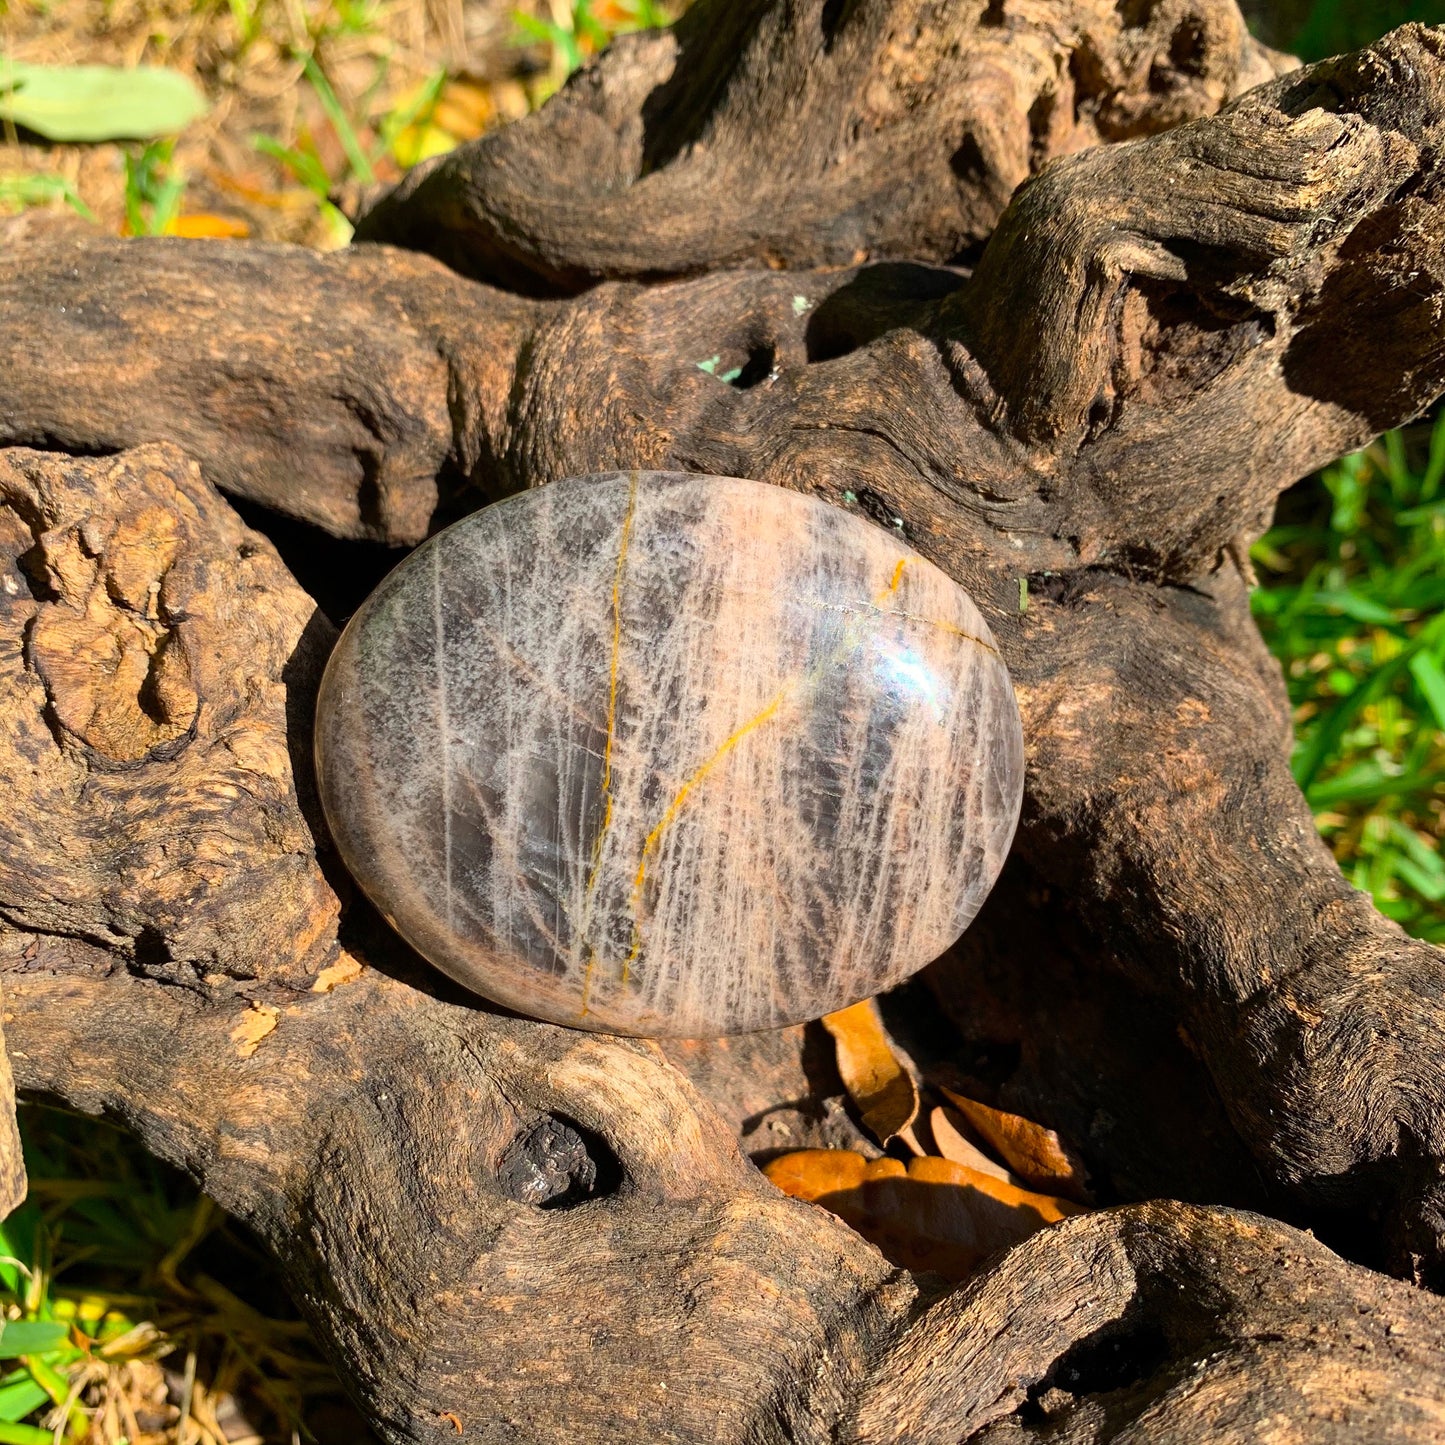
{"x": 553, "y": 1236}
{"x": 820, "y": 133}
{"x": 13, "y": 1182}
{"x": 317, "y": 386}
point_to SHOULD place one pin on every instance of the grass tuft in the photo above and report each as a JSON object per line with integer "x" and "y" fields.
{"x": 135, "y": 1312}
{"x": 571, "y": 34}
{"x": 131, "y": 1309}
{"x": 1353, "y": 605}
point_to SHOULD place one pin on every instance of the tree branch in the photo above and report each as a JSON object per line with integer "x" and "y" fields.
{"x": 810, "y": 134}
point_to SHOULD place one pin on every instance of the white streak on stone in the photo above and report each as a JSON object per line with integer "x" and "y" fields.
{"x": 815, "y": 755}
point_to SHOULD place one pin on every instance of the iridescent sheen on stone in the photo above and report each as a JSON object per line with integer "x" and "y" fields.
{"x": 668, "y": 754}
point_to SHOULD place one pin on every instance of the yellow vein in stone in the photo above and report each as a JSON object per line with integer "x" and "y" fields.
{"x": 446, "y": 724}
{"x": 600, "y": 840}
{"x": 951, "y": 628}
{"x": 723, "y": 749}
{"x": 675, "y": 806}
{"x": 877, "y": 606}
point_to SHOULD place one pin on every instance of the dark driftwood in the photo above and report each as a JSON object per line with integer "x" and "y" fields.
{"x": 817, "y": 134}
{"x": 1159, "y": 335}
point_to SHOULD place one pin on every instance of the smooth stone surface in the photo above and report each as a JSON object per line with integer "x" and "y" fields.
{"x": 666, "y": 754}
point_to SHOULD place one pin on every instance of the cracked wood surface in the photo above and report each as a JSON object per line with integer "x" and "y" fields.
{"x": 777, "y": 135}
{"x": 1159, "y": 336}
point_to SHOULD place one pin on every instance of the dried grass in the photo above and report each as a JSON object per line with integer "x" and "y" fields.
{"x": 248, "y": 57}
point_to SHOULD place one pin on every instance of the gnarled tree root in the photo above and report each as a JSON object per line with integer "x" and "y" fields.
{"x": 549, "y": 1235}
{"x": 811, "y": 134}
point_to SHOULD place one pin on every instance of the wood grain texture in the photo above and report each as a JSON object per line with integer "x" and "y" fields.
{"x": 778, "y": 134}
{"x": 531, "y": 1228}
{"x": 316, "y": 385}
{"x": 152, "y": 650}
{"x": 676, "y": 1297}
{"x": 13, "y": 1181}
{"x": 665, "y": 754}
{"x": 1166, "y": 1324}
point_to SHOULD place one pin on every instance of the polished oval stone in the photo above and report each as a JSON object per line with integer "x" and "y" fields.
{"x": 667, "y": 754}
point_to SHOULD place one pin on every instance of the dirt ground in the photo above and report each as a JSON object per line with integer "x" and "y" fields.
{"x": 411, "y": 77}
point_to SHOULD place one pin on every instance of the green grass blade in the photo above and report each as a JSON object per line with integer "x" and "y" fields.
{"x": 1430, "y": 679}
{"x": 418, "y": 111}
{"x": 355, "y": 156}
{"x": 1435, "y": 466}
{"x": 31, "y": 1337}
{"x": 1325, "y": 737}
{"x": 587, "y": 26}
{"x": 134, "y": 216}
{"x": 55, "y": 1385}
{"x": 167, "y": 204}
{"x": 306, "y": 168}
{"x": 19, "y": 1399}
{"x": 11, "y": 1434}
{"x": 248, "y": 21}
{"x": 1355, "y": 605}
{"x": 1413, "y": 516}
{"x": 1370, "y": 784}
{"x": 38, "y": 190}
{"x": 531, "y": 30}
{"x": 1429, "y": 887}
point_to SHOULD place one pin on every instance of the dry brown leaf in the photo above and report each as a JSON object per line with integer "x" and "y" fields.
{"x": 952, "y": 1143}
{"x": 464, "y": 110}
{"x": 932, "y": 1214}
{"x": 876, "y": 1080}
{"x": 258, "y": 1021}
{"x": 1036, "y": 1154}
{"x": 203, "y": 225}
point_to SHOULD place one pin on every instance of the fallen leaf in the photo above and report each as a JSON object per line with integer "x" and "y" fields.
{"x": 258, "y": 1021}
{"x": 98, "y": 102}
{"x": 252, "y": 188}
{"x": 203, "y": 226}
{"x": 1036, "y": 1154}
{"x": 511, "y": 99}
{"x": 877, "y": 1082}
{"x": 343, "y": 970}
{"x": 951, "y": 1142}
{"x": 464, "y": 110}
{"x": 813, "y": 1173}
{"x": 931, "y": 1214}
{"x": 417, "y": 143}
